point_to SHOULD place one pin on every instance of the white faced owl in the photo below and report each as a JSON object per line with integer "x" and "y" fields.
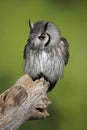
{"x": 46, "y": 52}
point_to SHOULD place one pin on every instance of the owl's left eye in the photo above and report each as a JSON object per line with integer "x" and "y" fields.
{"x": 42, "y": 37}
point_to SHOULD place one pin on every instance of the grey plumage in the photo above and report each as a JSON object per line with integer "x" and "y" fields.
{"x": 46, "y": 52}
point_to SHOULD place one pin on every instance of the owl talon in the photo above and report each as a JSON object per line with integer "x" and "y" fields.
{"x": 42, "y": 78}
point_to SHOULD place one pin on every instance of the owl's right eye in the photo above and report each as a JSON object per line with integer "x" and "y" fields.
{"x": 42, "y": 37}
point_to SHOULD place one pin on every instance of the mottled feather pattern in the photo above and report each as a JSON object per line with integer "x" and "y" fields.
{"x": 65, "y": 51}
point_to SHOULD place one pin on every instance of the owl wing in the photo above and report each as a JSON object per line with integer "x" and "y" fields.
{"x": 64, "y": 48}
{"x": 26, "y": 49}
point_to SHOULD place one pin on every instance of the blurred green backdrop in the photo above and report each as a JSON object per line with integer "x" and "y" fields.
{"x": 69, "y": 108}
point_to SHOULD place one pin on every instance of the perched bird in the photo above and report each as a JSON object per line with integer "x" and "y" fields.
{"x": 46, "y": 52}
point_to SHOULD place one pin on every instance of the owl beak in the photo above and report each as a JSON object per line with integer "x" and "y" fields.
{"x": 42, "y": 36}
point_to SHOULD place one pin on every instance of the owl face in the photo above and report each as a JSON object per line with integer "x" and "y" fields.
{"x": 43, "y": 34}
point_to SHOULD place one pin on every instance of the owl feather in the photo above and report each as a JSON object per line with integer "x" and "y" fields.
{"x": 46, "y": 52}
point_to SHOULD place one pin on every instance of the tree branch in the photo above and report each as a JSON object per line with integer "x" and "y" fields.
{"x": 25, "y": 100}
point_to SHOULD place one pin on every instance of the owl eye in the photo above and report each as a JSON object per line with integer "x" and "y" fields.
{"x": 42, "y": 37}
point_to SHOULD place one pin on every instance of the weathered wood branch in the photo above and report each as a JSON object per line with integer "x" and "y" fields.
{"x": 25, "y": 100}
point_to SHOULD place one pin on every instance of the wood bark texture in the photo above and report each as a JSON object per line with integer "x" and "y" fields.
{"x": 25, "y": 100}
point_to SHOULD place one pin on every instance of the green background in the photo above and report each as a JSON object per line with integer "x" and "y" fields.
{"x": 69, "y": 108}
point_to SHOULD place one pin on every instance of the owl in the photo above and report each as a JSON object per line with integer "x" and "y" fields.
{"x": 46, "y": 52}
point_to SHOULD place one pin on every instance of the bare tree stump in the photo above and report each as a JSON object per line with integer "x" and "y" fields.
{"x": 25, "y": 100}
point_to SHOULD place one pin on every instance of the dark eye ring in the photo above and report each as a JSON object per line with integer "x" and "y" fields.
{"x": 42, "y": 37}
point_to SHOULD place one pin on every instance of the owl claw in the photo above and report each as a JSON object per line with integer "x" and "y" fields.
{"x": 42, "y": 78}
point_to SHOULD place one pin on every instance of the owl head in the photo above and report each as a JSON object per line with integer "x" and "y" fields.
{"x": 43, "y": 34}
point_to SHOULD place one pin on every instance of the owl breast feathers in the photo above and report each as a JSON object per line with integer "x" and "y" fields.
{"x": 46, "y": 53}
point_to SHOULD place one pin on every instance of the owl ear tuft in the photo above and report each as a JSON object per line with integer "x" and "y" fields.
{"x": 31, "y": 25}
{"x": 45, "y": 28}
